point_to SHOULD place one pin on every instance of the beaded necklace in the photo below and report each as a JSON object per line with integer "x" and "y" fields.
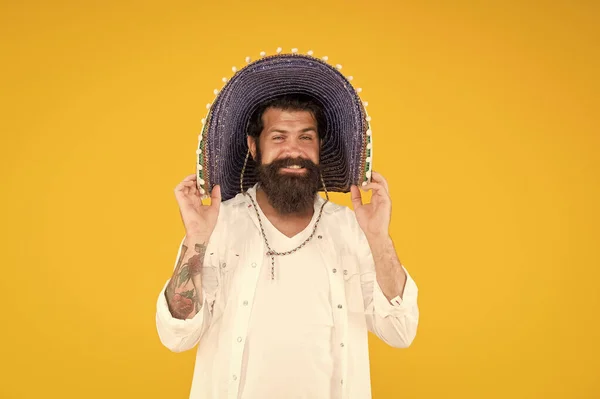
{"x": 270, "y": 251}
{"x": 273, "y": 253}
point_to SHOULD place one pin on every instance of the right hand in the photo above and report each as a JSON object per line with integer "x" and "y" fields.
{"x": 197, "y": 218}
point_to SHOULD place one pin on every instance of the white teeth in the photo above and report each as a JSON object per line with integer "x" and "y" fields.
{"x": 294, "y": 167}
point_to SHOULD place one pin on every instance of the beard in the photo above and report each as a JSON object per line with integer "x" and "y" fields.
{"x": 289, "y": 193}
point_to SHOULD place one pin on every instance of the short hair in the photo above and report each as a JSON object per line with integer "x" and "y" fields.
{"x": 288, "y": 102}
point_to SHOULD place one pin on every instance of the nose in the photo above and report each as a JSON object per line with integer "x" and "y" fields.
{"x": 293, "y": 149}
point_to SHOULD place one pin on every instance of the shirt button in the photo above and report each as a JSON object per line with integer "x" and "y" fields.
{"x": 234, "y": 377}
{"x": 345, "y": 272}
{"x": 339, "y": 306}
{"x": 223, "y": 265}
{"x": 319, "y": 237}
{"x": 335, "y": 270}
{"x": 245, "y": 303}
{"x": 239, "y": 339}
{"x": 253, "y": 264}
{"x": 342, "y": 344}
{"x": 342, "y": 381}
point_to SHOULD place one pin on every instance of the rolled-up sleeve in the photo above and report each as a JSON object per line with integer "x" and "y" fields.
{"x": 176, "y": 334}
{"x": 181, "y": 335}
{"x": 395, "y": 324}
{"x": 408, "y": 302}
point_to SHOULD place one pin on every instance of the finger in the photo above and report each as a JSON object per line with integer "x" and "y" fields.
{"x": 376, "y": 187}
{"x": 181, "y": 186}
{"x": 355, "y": 197}
{"x": 215, "y": 196}
{"x": 378, "y": 178}
{"x": 192, "y": 187}
{"x": 190, "y": 178}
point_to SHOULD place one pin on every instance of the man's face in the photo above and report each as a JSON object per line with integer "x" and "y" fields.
{"x": 287, "y": 134}
{"x": 288, "y": 156}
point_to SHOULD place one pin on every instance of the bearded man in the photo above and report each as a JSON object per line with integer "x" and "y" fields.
{"x": 276, "y": 286}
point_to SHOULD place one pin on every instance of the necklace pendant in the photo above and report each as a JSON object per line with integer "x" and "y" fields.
{"x": 272, "y": 268}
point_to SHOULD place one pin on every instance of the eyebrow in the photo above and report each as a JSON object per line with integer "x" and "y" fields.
{"x": 305, "y": 130}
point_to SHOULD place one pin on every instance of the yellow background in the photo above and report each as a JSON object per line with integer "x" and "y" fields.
{"x": 485, "y": 119}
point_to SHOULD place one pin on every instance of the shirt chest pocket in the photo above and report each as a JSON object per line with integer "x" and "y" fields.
{"x": 352, "y": 283}
{"x": 228, "y": 264}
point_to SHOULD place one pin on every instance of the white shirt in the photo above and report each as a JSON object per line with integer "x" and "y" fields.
{"x": 233, "y": 276}
{"x": 288, "y": 351}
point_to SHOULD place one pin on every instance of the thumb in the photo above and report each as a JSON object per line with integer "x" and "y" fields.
{"x": 215, "y": 196}
{"x": 356, "y": 197}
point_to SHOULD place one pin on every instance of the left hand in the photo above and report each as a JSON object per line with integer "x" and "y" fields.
{"x": 373, "y": 218}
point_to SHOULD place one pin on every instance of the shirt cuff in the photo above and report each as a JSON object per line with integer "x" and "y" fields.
{"x": 177, "y": 326}
{"x": 384, "y": 308}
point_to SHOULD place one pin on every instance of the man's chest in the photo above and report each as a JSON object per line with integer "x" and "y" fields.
{"x": 298, "y": 291}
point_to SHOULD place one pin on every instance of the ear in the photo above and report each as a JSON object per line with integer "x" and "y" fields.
{"x": 252, "y": 146}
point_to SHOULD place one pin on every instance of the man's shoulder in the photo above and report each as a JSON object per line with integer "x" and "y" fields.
{"x": 333, "y": 208}
{"x": 229, "y": 210}
{"x": 339, "y": 215}
{"x": 233, "y": 202}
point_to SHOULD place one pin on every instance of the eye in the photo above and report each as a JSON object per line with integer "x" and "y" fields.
{"x": 277, "y": 138}
{"x": 306, "y": 138}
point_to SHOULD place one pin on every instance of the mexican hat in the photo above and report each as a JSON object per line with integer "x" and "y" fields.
{"x": 346, "y": 155}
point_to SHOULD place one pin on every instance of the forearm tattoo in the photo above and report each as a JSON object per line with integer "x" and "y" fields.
{"x": 183, "y": 296}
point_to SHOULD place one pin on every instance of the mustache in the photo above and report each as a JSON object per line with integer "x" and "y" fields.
{"x": 287, "y": 162}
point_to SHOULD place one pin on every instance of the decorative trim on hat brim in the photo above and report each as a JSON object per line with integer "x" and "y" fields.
{"x": 347, "y": 152}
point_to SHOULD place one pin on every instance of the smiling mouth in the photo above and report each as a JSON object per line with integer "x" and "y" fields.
{"x": 293, "y": 169}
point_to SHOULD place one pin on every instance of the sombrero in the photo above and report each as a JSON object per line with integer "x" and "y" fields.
{"x": 346, "y": 153}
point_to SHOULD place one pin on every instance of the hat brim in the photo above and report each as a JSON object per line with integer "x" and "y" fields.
{"x": 223, "y": 146}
